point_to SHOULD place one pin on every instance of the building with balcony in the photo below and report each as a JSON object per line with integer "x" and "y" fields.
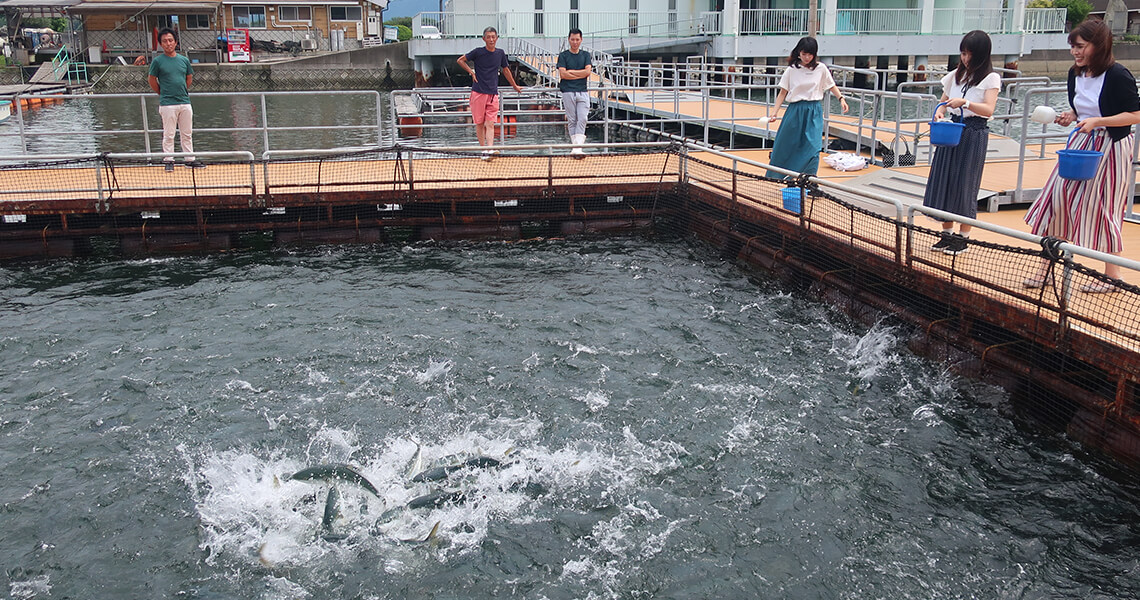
{"x": 747, "y": 32}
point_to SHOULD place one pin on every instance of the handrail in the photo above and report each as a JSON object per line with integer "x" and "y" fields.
{"x": 146, "y": 132}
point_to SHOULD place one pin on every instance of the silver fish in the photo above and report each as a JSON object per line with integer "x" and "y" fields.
{"x": 337, "y": 472}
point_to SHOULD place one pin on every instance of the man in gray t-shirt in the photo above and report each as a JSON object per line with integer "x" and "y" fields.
{"x": 574, "y": 69}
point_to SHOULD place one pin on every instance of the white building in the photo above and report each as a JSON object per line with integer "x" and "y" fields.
{"x": 751, "y": 31}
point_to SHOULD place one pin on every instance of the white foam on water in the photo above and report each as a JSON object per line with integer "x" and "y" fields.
{"x": 330, "y": 444}
{"x": 238, "y": 385}
{"x": 928, "y": 414}
{"x": 252, "y": 516}
{"x": 594, "y": 400}
{"x": 32, "y": 588}
{"x": 435, "y": 370}
{"x": 870, "y": 354}
{"x": 279, "y": 588}
{"x": 316, "y": 377}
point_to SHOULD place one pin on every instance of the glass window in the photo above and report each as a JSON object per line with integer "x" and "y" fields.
{"x": 633, "y": 4}
{"x": 252, "y": 17}
{"x": 197, "y": 21}
{"x": 538, "y": 4}
{"x": 573, "y": 4}
{"x": 295, "y": 13}
{"x": 344, "y": 13}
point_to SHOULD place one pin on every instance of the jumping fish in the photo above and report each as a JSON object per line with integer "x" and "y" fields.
{"x": 339, "y": 472}
{"x": 438, "y": 499}
{"x": 417, "y": 462}
{"x": 438, "y": 473}
{"x": 332, "y": 511}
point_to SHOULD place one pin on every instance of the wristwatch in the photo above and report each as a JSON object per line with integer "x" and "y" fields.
{"x": 966, "y": 105}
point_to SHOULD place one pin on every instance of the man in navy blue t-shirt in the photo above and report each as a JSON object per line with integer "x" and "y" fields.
{"x": 485, "y": 65}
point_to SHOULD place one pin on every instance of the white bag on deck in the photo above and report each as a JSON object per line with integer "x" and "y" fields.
{"x": 845, "y": 161}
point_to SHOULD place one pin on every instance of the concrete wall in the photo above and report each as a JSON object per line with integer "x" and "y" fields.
{"x": 376, "y": 57}
{"x": 1056, "y": 63}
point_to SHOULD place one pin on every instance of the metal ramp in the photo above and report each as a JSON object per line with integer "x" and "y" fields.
{"x": 907, "y": 188}
{"x": 48, "y": 73}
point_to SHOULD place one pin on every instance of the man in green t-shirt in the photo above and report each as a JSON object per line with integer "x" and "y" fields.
{"x": 170, "y": 77}
{"x": 574, "y": 69}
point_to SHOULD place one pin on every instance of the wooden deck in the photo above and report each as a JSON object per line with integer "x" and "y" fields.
{"x": 995, "y": 175}
{"x": 1000, "y": 176}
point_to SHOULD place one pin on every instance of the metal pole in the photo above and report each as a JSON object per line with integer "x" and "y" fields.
{"x": 264, "y": 124}
{"x": 145, "y": 124}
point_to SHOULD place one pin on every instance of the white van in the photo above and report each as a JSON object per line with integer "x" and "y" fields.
{"x": 430, "y": 32}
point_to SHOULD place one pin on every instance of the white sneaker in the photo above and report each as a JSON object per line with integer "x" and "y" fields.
{"x": 577, "y": 152}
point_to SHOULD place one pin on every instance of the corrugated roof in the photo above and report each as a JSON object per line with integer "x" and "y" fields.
{"x": 156, "y": 6}
{"x": 37, "y": 3}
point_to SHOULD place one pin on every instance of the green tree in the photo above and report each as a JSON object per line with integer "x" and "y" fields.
{"x": 405, "y": 21}
{"x": 1078, "y": 10}
{"x": 54, "y": 23}
{"x": 1039, "y": 4}
{"x": 404, "y": 33}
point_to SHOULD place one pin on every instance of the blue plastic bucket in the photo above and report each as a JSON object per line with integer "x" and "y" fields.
{"x": 1077, "y": 164}
{"x": 792, "y": 197}
{"x": 945, "y": 133}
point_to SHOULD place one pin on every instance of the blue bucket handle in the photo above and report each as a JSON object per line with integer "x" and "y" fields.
{"x": 1070, "y": 140}
{"x": 943, "y": 104}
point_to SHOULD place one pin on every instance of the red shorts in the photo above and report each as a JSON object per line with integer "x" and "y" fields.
{"x": 484, "y": 107}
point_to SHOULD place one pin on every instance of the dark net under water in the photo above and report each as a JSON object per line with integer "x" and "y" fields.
{"x": 667, "y": 426}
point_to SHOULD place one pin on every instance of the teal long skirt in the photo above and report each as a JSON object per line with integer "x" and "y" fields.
{"x": 799, "y": 139}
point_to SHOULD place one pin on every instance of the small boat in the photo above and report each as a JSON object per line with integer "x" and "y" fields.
{"x": 5, "y": 110}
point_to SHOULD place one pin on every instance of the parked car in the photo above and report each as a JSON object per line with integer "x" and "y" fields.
{"x": 430, "y": 32}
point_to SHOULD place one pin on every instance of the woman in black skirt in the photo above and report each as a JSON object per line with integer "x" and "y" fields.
{"x": 956, "y": 171}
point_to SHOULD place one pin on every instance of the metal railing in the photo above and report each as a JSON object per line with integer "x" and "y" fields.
{"x": 103, "y": 184}
{"x": 264, "y": 128}
{"x": 774, "y": 21}
{"x": 905, "y": 217}
{"x": 789, "y": 22}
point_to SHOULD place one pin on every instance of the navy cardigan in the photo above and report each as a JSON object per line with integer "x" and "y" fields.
{"x": 1117, "y": 96}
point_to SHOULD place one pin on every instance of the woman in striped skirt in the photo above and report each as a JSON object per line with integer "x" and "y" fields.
{"x": 956, "y": 171}
{"x": 799, "y": 139}
{"x": 1105, "y": 106}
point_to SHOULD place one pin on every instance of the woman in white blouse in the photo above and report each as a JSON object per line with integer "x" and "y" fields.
{"x": 956, "y": 171}
{"x": 799, "y": 139}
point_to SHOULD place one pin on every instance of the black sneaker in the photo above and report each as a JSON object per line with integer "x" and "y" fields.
{"x": 958, "y": 245}
{"x": 195, "y": 164}
{"x": 168, "y": 167}
{"x": 943, "y": 242}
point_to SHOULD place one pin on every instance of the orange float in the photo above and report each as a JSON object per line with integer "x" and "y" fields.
{"x": 411, "y": 126}
{"x": 507, "y": 123}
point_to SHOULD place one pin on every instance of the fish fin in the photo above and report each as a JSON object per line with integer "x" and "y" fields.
{"x": 432, "y": 537}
